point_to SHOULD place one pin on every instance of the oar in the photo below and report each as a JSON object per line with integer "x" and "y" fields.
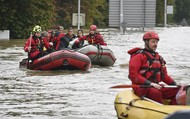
{"x": 141, "y": 86}
{"x": 30, "y": 43}
{"x": 148, "y": 99}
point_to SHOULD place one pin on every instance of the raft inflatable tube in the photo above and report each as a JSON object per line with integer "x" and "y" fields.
{"x": 59, "y": 60}
{"x": 130, "y": 106}
{"x": 99, "y": 54}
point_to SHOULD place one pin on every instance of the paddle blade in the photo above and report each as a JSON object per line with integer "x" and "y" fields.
{"x": 126, "y": 86}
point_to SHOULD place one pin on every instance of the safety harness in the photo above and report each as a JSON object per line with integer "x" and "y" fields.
{"x": 151, "y": 58}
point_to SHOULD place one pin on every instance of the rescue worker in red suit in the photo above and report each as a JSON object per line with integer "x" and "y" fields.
{"x": 147, "y": 67}
{"x": 50, "y": 36}
{"x": 57, "y": 37}
{"x": 35, "y": 44}
{"x": 93, "y": 37}
{"x": 47, "y": 37}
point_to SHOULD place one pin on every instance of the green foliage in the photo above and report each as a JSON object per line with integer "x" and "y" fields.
{"x": 96, "y": 12}
{"x": 160, "y": 12}
{"x": 20, "y": 16}
{"x": 7, "y": 14}
{"x": 170, "y": 16}
{"x": 182, "y": 11}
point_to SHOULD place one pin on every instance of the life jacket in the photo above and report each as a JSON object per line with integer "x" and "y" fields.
{"x": 36, "y": 44}
{"x": 56, "y": 41}
{"x": 95, "y": 39}
{"x": 153, "y": 68}
{"x": 92, "y": 39}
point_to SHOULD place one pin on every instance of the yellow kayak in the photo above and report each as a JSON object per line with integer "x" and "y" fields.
{"x": 130, "y": 106}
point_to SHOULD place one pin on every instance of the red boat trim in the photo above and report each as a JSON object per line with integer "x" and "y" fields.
{"x": 57, "y": 57}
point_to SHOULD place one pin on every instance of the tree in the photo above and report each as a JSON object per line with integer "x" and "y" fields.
{"x": 182, "y": 11}
{"x": 96, "y": 12}
{"x": 160, "y": 12}
{"x": 20, "y": 16}
{"x": 170, "y": 17}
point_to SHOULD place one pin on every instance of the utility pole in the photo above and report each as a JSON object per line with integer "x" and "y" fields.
{"x": 144, "y": 14}
{"x": 121, "y": 14}
{"x": 78, "y": 18}
{"x": 165, "y": 13}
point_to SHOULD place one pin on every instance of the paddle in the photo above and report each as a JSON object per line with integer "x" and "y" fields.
{"x": 148, "y": 99}
{"x": 29, "y": 47}
{"x": 141, "y": 86}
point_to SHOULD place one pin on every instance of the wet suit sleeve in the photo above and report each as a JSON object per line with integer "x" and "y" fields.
{"x": 100, "y": 40}
{"x": 26, "y": 45}
{"x": 46, "y": 43}
{"x": 135, "y": 64}
{"x": 82, "y": 38}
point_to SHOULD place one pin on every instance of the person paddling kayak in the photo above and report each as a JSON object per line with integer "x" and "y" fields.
{"x": 147, "y": 67}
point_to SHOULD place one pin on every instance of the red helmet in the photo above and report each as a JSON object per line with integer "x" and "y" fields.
{"x": 93, "y": 27}
{"x": 150, "y": 35}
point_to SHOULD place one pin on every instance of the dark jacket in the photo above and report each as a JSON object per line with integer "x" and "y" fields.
{"x": 64, "y": 41}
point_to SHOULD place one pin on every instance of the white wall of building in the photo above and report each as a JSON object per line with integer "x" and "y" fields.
{"x": 4, "y": 35}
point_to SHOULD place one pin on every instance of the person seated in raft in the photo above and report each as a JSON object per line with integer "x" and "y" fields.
{"x": 64, "y": 41}
{"x": 147, "y": 67}
{"x": 34, "y": 45}
{"x": 93, "y": 37}
{"x": 48, "y": 37}
{"x": 57, "y": 36}
{"x": 80, "y": 44}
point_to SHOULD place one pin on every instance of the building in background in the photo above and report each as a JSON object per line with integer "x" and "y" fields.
{"x": 134, "y": 13}
{"x": 4, "y": 34}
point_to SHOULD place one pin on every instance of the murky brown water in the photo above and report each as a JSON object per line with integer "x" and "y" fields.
{"x": 78, "y": 94}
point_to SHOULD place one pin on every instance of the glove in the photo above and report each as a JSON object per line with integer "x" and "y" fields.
{"x": 27, "y": 49}
{"x": 162, "y": 84}
{"x": 155, "y": 85}
{"x": 77, "y": 41}
{"x": 50, "y": 43}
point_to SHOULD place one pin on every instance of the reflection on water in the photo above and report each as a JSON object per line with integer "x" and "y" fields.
{"x": 77, "y": 94}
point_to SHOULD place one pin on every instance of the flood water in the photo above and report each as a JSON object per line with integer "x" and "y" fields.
{"x": 27, "y": 94}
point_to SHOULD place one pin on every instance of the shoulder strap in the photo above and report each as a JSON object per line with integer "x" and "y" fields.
{"x": 162, "y": 61}
{"x": 150, "y": 60}
{"x": 134, "y": 50}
